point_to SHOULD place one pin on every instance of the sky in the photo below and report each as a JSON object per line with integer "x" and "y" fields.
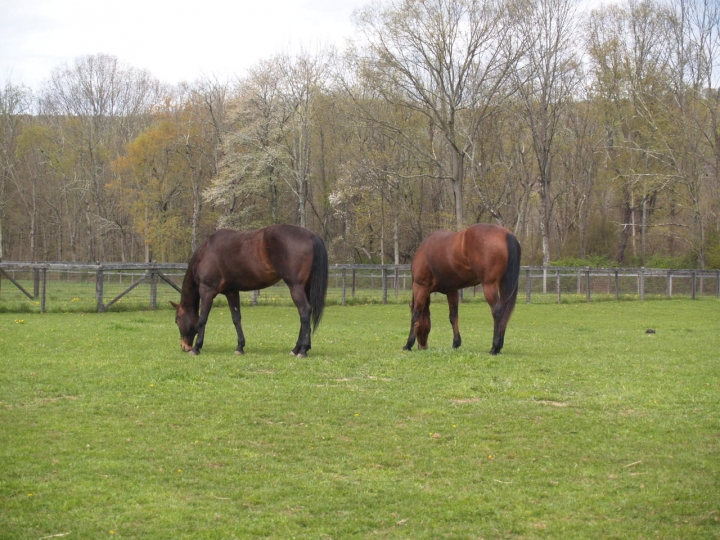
{"x": 175, "y": 40}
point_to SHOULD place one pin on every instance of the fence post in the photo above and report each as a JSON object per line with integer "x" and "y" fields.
{"x": 44, "y": 290}
{"x": 344, "y": 284}
{"x": 353, "y": 282}
{"x": 255, "y": 295}
{"x": 692, "y": 283}
{"x": 153, "y": 289}
{"x": 528, "y": 285}
{"x": 397, "y": 281}
{"x": 36, "y": 283}
{"x": 587, "y": 283}
{"x": 557, "y": 286}
{"x": 617, "y": 285}
{"x": 717, "y": 283}
{"x": 99, "y": 279}
{"x": 641, "y": 282}
{"x": 384, "y": 284}
{"x": 668, "y": 285}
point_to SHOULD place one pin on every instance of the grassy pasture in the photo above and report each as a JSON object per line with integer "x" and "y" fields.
{"x": 584, "y": 427}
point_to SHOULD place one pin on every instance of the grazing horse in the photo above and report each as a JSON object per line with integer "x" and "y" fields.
{"x": 232, "y": 261}
{"x": 447, "y": 262}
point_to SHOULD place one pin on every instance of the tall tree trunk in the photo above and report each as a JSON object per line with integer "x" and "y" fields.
{"x": 458, "y": 171}
{"x": 627, "y": 212}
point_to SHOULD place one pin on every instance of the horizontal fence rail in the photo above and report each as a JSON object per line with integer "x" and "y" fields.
{"x": 98, "y": 287}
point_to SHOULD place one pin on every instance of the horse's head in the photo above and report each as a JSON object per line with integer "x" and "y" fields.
{"x": 187, "y": 322}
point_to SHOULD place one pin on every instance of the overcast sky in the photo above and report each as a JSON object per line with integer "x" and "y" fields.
{"x": 175, "y": 40}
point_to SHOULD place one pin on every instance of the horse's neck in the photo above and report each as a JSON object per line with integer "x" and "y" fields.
{"x": 190, "y": 296}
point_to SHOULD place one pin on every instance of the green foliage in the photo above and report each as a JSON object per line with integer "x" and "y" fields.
{"x": 585, "y": 426}
{"x": 665, "y": 261}
{"x": 594, "y": 261}
{"x": 712, "y": 252}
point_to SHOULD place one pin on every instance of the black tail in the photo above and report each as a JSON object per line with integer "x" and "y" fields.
{"x": 511, "y": 279}
{"x": 318, "y": 281}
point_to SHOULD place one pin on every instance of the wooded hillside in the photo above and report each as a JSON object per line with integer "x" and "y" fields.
{"x": 593, "y": 136}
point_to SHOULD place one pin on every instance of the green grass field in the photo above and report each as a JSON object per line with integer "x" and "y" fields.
{"x": 584, "y": 427}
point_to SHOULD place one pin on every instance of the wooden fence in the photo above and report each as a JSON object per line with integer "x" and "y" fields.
{"x": 347, "y": 280}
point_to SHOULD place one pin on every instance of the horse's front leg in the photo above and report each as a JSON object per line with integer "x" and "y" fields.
{"x": 206, "y": 302}
{"x": 453, "y": 299}
{"x": 234, "y": 304}
{"x": 419, "y": 319}
{"x": 297, "y": 292}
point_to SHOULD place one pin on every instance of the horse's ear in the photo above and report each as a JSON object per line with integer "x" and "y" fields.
{"x": 176, "y": 306}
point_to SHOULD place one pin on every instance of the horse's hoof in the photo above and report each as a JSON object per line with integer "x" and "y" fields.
{"x": 193, "y": 352}
{"x": 301, "y": 355}
{"x": 239, "y": 352}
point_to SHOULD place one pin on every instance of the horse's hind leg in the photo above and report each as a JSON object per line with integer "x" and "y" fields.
{"x": 493, "y": 299}
{"x": 453, "y": 299}
{"x": 234, "y": 304}
{"x": 297, "y": 292}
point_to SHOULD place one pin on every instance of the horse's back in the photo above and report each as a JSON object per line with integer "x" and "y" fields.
{"x": 250, "y": 260}
{"x": 447, "y": 261}
{"x": 226, "y": 259}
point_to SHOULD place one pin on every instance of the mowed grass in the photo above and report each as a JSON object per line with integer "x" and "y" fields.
{"x": 584, "y": 427}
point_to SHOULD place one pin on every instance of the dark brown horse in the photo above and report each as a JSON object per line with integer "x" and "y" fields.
{"x": 447, "y": 262}
{"x": 232, "y": 261}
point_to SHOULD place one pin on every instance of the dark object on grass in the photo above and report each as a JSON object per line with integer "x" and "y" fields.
{"x": 649, "y": 331}
{"x": 232, "y": 261}
{"x": 447, "y": 262}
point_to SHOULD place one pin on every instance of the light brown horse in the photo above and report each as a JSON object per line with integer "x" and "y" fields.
{"x": 232, "y": 261}
{"x": 446, "y": 262}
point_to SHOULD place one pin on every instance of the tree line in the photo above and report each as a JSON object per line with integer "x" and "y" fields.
{"x": 594, "y": 136}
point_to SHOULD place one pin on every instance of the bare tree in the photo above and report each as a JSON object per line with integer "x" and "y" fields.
{"x": 448, "y": 60}
{"x": 629, "y": 51}
{"x": 98, "y": 104}
{"x": 271, "y": 137}
{"x": 546, "y": 84}
{"x": 15, "y": 102}
{"x": 251, "y": 162}
{"x": 691, "y": 145}
{"x": 305, "y": 77}
{"x": 205, "y": 129}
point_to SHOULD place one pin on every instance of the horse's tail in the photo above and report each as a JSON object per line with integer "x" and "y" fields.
{"x": 318, "y": 280}
{"x": 510, "y": 281}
